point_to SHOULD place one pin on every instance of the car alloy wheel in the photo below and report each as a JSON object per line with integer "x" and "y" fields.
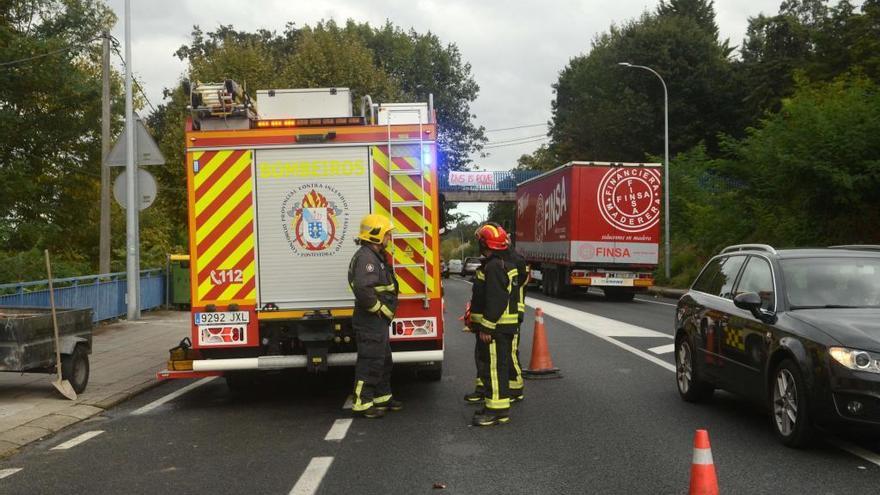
{"x": 785, "y": 402}
{"x": 683, "y": 370}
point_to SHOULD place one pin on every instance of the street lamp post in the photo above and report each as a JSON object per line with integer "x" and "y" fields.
{"x": 665, "y": 159}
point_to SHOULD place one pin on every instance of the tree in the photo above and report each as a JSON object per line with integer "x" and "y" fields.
{"x": 606, "y": 112}
{"x": 50, "y": 114}
{"x": 808, "y": 37}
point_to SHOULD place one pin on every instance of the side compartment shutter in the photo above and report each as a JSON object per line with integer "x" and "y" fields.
{"x": 222, "y": 227}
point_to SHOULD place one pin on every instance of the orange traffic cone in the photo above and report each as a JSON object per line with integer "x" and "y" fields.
{"x": 703, "y": 479}
{"x": 541, "y": 364}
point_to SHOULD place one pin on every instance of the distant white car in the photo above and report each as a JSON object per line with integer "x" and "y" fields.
{"x": 455, "y": 266}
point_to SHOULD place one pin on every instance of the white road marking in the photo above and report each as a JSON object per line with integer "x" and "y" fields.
{"x": 349, "y": 401}
{"x": 310, "y": 480}
{"x": 173, "y": 395}
{"x": 855, "y": 450}
{"x": 8, "y": 472}
{"x": 663, "y": 349}
{"x": 338, "y": 430}
{"x": 639, "y": 299}
{"x": 73, "y": 442}
{"x": 586, "y": 322}
{"x": 596, "y": 324}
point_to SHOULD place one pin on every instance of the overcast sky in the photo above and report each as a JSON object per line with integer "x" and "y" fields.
{"x": 516, "y": 48}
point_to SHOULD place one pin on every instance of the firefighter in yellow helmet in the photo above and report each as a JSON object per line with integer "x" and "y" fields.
{"x": 375, "y": 290}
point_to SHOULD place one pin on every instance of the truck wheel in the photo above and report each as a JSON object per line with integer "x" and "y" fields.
{"x": 75, "y": 368}
{"x": 563, "y": 290}
{"x": 432, "y": 373}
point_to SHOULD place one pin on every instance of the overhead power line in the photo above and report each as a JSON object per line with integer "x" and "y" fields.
{"x": 516, "y": 127}
{"x": 516, "y": 144}
{"x": 47, "y": 54}
{"x": 513, "y": 140}
{"x": 115, "y": 44}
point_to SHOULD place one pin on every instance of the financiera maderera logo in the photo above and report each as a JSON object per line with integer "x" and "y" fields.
{"x": 315, "y": 219}
{"x": 629, "y": 198}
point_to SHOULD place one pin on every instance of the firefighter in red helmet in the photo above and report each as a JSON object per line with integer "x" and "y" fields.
{"x": 494, "y": 318}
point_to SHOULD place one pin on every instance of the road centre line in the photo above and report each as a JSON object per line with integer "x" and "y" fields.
{"x": 348, "y": 402}
{"x": 8, "y": 472}
{"x": 310, "y": 480}
{"x": 663, "y": 349}
{"x": 173, "y": 395}
{"x": 338, "y": 430}
{"x": 73, "y": 442}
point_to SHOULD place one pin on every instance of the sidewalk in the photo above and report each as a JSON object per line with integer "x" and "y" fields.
{"x": 124, "y": 361}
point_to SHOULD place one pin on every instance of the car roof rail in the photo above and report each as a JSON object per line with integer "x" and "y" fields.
{"x": 857, "y": 247}
{"x": 749, "y": 247}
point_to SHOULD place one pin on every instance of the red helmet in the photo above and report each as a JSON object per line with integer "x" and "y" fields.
{"x": 493, "y": 236}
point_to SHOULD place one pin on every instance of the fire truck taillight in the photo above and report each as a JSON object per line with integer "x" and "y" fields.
{"x": 414, "y": 328}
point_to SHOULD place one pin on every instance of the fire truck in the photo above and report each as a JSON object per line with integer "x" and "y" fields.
{"x": 277, "y": 188}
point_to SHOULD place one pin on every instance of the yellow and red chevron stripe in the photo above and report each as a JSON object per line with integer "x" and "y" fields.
{"x": 222, "y": 227}
{"x": 408, "y": 219}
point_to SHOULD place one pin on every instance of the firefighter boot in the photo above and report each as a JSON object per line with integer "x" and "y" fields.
{"x": 388, "y": 405}
{"x": 371, "y": 412}
{"x": 475, "y": 397}
{"x": 489, "y": 417}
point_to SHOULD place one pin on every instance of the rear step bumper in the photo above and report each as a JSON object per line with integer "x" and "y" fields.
{"x": 208, "y": 367}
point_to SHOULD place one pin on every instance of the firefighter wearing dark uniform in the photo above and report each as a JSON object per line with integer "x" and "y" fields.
{"x": 497, "y": 325}
{"x": 517, "y": 386}
{"x": 375, "y": 291}
{"x": 474, "y": 317}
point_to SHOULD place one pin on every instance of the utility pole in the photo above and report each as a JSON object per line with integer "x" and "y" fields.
{"x": 104, "y": 242}
{"x": 133, "y": 275}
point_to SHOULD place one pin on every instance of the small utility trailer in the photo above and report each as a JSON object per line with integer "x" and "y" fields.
{"x": 27, "y": 343}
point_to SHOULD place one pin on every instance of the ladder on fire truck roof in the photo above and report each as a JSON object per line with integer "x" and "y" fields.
{"x": 417, "y": 174}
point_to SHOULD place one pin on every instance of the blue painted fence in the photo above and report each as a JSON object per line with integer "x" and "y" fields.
{"x": 105, "y": 294}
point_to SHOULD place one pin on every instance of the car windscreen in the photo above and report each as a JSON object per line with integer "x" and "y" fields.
{"x": 832, "y": 282}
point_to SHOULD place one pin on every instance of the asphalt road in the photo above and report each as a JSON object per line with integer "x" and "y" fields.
{"x": 613, "y": 424}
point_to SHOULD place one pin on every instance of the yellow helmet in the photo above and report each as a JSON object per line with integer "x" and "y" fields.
{"x": 374, "y": 227}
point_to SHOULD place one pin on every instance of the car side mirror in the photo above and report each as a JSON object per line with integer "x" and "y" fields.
{"x": 748, "y": 301}
{"x": 751, "y": 302}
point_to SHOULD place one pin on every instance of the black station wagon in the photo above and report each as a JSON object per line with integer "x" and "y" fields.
{"x": 797, "y": 330}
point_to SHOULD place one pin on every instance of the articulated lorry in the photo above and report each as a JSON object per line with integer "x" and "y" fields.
{"x": 277, "y": 190}
{"x": 591, "y": 224}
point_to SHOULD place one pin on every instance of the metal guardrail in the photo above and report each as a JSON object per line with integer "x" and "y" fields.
{"x": 505, "y": 181}
{"x": 105, "y": 293}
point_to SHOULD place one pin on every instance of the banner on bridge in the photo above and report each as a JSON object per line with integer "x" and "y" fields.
{"x": 474, "y": 179}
